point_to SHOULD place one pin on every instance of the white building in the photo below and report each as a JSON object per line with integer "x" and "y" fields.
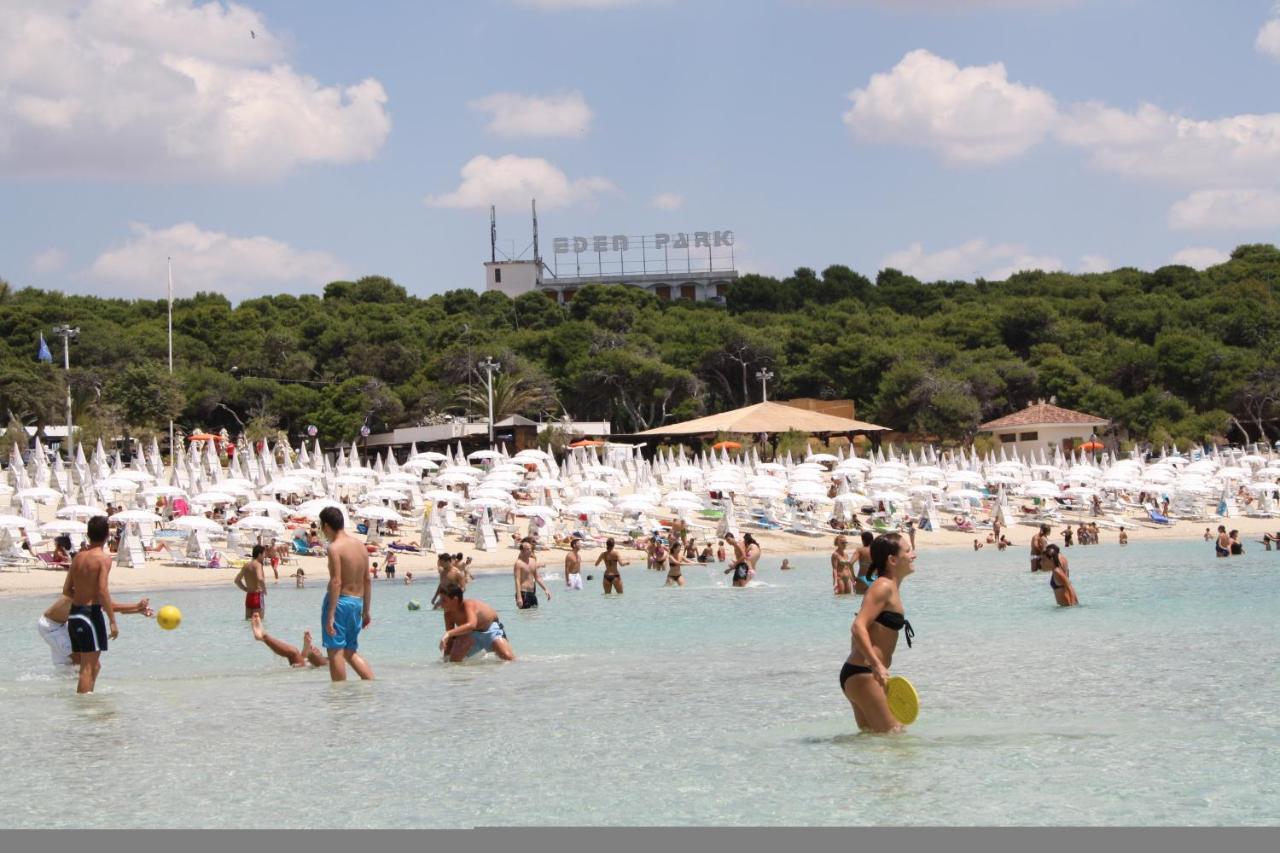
{"x": 694, "y": 265}
{"x": 1043, "y": 426}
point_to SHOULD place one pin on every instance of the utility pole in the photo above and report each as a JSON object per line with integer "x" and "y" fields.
{"x": 764, "y": 375}
{"x": 67, "y": 333}
{"x": 489, "y": 366}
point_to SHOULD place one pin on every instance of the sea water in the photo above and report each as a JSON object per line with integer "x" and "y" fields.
{"x": 1155, "y": 702}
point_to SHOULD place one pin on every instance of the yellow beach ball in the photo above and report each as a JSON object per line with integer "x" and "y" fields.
{"x": 169, "y": 617}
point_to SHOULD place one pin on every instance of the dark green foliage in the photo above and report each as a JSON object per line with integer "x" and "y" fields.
{"x": 1168, "y": 354}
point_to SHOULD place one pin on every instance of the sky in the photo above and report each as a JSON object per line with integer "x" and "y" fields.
{"x": 275, "y": 145}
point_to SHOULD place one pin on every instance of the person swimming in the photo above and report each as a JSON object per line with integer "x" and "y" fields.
{"x": 875, "y": 634}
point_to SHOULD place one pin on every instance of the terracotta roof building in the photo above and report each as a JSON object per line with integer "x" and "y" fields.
{"x": 1043, "y": 425}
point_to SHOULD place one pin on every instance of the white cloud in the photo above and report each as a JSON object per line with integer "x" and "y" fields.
{"x": 970, "y": 260}
{"x": 1094, "y": 263}
{"x": 1154, "y": 144}
{"x": 1227, "y": 209}
{"x": 49, "y": 261}
{"x": 1200, "y": 258}
{"x": 168, "y": 88}
{"x": 511, "y": 181}
{"x": 513, "y": 115}
{"x": 969, "y": 115}
{"x": 668, "y": 201}
{"x": 239, "y": 267}
{"x": 1268, "y": 40}
{"x": 569, "y": 5}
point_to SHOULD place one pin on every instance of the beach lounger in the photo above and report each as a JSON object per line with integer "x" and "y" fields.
{"x": 1157, "y": 517}
{"x": 48, "y": 561}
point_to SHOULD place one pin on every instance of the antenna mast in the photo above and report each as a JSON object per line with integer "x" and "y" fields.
{"x": 537, "y": 258}
{"x": 493, "y": 234}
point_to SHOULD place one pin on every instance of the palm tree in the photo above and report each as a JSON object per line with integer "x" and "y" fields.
{"x": 512, "y": 395}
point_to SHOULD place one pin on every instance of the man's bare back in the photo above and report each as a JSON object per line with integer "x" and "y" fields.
{"x": 252, "y": 577}
{"x": 87, "y": 577}
{"x": 351, "y": 560}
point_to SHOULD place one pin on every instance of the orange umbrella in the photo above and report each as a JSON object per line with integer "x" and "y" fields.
{"x": 1093, "y": 445}
{"x": 588, "y": 443}
{"x": 204, "y": 436}
{"x": 731, "y": 445}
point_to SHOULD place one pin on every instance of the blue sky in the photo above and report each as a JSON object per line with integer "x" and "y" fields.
{"x": 951, "y": 138}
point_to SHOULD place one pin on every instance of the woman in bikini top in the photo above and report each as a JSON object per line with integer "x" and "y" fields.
{"x": 875, "y": 634}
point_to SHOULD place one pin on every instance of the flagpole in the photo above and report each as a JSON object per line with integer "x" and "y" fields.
{"x": 170, "y": 265}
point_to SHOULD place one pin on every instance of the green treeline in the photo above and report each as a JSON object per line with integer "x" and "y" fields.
{"x": 1173, "y": 354}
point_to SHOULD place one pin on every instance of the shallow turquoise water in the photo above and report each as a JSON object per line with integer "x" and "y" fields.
{"x": 1156, "y": 702}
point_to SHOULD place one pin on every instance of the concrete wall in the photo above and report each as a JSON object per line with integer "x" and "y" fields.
{"x": 511, "y": 277}
{"x": 1046, "y": 437}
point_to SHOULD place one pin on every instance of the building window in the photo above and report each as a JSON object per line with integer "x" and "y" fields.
{"x": 553, "y": 295}
{"x": 1008, "y": 438}
{"x": 1029, "y": 436}
{"x": 722, "y": 289}
{"x": 662, "y": 291}
{"x": 497, "y": 275}
{"x": 688, "y": 291}
{"x": 568, "y": 295}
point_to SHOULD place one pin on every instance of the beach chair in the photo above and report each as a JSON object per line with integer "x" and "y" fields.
{"x": 48, "y": 561}
{"x": 1157, "y": 517}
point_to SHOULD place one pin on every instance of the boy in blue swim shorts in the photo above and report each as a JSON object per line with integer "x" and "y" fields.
{"x": 346, "y": 609}
{"x": 471, "y": 628}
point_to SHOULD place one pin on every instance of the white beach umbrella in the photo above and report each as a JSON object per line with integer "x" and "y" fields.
{"x": 266, "y": 506}
{"x": 10, "y": 520}
{"x": 37, "y": 493}
{"x": 260, "y": 522}
{"x": 375, "y": 512}
{"x": 213, "y": 498}
{"x": 62, "y": 525}
{"x": 197, "y": 522}
{"x": 137, "y": 516}
{"x": 79, "y": 511}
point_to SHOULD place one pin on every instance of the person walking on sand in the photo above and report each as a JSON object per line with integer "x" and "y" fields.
{"x": 348, "y": 599}
{"x": 573, "y": 564}
{"x": 612, "y": 560}
{"x": 526, "y": 577}
{"x": 252, "y": 581}
{"x": 87, "y": 585}
{"x": 472, "y": 627}
{"x": 297, "y": 658}
{"x": 875, "y": 635}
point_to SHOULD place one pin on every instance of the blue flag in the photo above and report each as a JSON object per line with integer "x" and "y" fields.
{"x": 43, "y": 353}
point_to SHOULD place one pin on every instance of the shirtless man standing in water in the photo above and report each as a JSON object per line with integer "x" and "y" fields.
{"x": 345, "y": 611}
{"x": 86, "y": 586}
{"x": 573, "y": 565}
{"x": 252, "y": 581}
{"x": 527, "y": 578}
{"x": 1038, "y": 543}
{"x": 611, "y": 560}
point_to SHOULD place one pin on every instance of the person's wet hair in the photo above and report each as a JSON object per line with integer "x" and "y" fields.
{"x": 868, "y": 537}
{"x": 257, "y": 551}
{"x": 885, "y": 546}
{"x": 331, "y": 517}
{"x": 98, "y": 529}
{"x": 453, "y": 591}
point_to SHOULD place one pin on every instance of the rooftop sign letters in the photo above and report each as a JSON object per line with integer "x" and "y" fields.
{"x": 622, "y": 243}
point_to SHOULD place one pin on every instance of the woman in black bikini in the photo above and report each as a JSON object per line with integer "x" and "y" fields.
{"x": 612, "y": 560}
{"x": 1053, "y": 562}
{"x": 875, "y": 634}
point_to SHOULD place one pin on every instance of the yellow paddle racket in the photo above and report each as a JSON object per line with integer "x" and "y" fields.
{"x": 904, "y": 701}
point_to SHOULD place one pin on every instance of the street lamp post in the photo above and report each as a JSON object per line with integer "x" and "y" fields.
{"x": 67, "y": 333}
{"x": 764, "y": 374}
{"x": 489, "y": 366}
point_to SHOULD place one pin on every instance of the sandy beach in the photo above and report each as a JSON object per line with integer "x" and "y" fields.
{"x": 158, "y": 575}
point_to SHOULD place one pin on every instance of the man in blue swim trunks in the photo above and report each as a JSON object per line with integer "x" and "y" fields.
{"x": 346, "y": 602}
{"x": 471, "y": 628}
